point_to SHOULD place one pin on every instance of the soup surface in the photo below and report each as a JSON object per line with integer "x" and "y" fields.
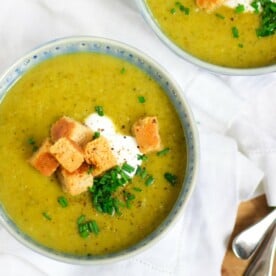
{"x": 73, "y": 85}
{"x": 223, "y": 37}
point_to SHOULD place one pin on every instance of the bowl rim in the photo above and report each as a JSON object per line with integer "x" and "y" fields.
{"x": 189, "y": 177}
{"x": 148, "y": 17}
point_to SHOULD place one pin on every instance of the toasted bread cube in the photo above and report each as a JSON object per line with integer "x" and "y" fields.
{"x": 68, "y": 153}
{"x": 146, "y": 132}
{"x": 71, "y": 129}
{"x": 43, "y": 160}
{"x": 209, "y": 5}
{"x": 76, "y": 182}
{"x": 99, "y": 154}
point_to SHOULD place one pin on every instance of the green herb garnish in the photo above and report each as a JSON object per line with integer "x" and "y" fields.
{"x": 46, "y": 215}
{"x": 90, "y": 170}
{"x": 81, "y": 219}
{"x": 267, "y": 16}
{"x": 239, "y": 9}
{"x": 163, "y": 152}
{"x": 240, "y": 45}
{"x": 62, "y": 201}
{"x": 141, "y": 99}
{"x": 87, "y": 227}
{"x": 184, "y": 9}
{"x": 142, "y": 157}
{"x": 105, "y": 188}
{"x": 141, "y": 172}
{"x": 149, "y": 180}
{"x": 181, "y": 7}
{"x": 172, "y": 179}
{"x": 99, "y": 110}
{"x": 137, "y": 189}
{"x": 123, "y": 70}
{"x": 93, "y": 227}
{"x": 96, "y": 135}
{"x": 220, "y": 16}
{"x": 173, "y": 11}
{"x": 128, "y": 198}
{"x": 32, "y": 142}
{"x": 126, "y": 167}
{"x": 235, "y": 32}
{"x": 255, "y": 6}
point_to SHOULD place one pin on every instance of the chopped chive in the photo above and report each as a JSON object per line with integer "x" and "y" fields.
{"x": 137, "y": 189}
{"x": 96, "y": 135}
{"x": 128, "y": 198}
{"x": 172, "y": 179}
{"x": 240, "y": 45}
{"x": 62, "y": 201}
{"x": 149, "y": 180}
{"x": 89, "y": 171}
{"x": 123, "y": 70}
{"x": 173, "y": 11}
{"x": 235, "y": 32}
{"x": 239, "y": 9}
{"x": 255, "y": 6}
{"x": 220, "y": 16}
{"x": 141, "y": 172}
{"x": 142, "y": 157}
{"x": 126, "y": 167}
{"x": 95, "y": 227}
{"x": 84, "y": 234}
{"x": 141, "y": 99}
{"x": 105, "y": 187}
{"x": 267, "y": 17}
{"x": 163, "y": 152}
{"x": 47, "y": 216}
{"x": 177, "y": 4}
{"x": 99, "y": 110}
{"x": 125, "y": 177}
{"x": 32, "y": 142}
{"x": 81, "y": 219}
{"x": 184, "y": 9}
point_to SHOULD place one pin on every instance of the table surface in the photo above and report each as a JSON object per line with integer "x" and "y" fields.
{"x": 249, "y": 213}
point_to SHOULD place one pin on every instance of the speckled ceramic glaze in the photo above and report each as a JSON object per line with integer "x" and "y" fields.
{"x": 122, "y": 51}
{"x": 147, "y": 14}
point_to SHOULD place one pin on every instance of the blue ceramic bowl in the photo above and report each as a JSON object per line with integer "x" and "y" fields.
{"x": 149, "y": 18}
{"x": 125, "y": 52}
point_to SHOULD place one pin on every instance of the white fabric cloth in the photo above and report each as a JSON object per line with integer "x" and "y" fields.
{"x": 235, "y": 116}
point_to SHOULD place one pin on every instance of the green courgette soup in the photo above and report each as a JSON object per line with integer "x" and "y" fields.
{"x": 72, "y": 85}
{"x": 229, "y": 37}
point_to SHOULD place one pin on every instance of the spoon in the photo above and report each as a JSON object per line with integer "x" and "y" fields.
{"x": 245, "y": 244}
{"x": 262, "y": 262}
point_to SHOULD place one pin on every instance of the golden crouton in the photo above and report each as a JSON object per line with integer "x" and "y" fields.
{"x": 209, "y": 5}
{"x": 68, "y": 153}
{"x": 71, "y": 129}
{"x": 146, "y": 132}
{"x": 76, "y": 182}
{"x": 43, "y": 160}
{"x": 99, "y": 154}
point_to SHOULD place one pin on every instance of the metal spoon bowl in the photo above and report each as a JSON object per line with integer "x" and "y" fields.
{"x": 246, "y": 243}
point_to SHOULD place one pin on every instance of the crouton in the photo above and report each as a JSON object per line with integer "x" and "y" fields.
{"x": 99, "y": 154}
{"x": 146, "y": 132}
{"x": 76, "y": 182}
{"x": 71, "y": 129}
{"x": 43, "y": 160}
{"x": 209, "y": 5}
{"x": 68, "y": 153}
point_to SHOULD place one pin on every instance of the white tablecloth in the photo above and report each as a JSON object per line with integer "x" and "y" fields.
{"x": 236, "y": 118}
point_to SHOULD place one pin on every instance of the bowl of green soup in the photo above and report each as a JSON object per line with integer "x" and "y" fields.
{"x": 100, "y": 150}
{"x": 224, "y": 36}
